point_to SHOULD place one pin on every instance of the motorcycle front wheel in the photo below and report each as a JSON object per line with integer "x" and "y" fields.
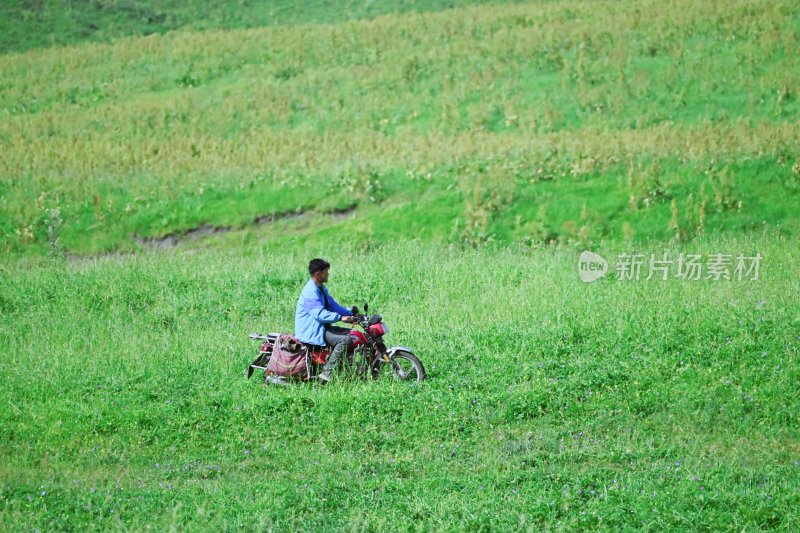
{"x": 404, "y": 366}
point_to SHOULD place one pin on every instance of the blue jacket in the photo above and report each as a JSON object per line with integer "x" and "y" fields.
{"x": 311, "y": 315}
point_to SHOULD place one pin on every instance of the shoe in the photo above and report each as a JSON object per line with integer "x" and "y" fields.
{"x": 325, "y": 377}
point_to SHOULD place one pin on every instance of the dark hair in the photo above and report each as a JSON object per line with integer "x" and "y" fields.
{"x": 317, "y": 265}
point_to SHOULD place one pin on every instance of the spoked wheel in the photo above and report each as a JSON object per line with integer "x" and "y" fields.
{"x": 404, "y": 366}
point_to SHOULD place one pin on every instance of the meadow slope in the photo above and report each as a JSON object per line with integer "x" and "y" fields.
{"x": 563, "y": 121}
{"x": 26, "y": 25}
{"x": 161, "y": 195}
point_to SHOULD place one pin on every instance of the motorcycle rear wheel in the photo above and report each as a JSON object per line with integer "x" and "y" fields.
{"x": 404, "y": 366}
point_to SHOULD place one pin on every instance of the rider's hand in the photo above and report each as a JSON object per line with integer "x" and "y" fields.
{"x": 349, "y": 319}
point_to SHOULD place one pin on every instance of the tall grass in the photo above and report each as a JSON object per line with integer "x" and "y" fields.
{"x": 133, "y": 129}
{"x": 550, "y": 404}
{"x": 44, "y": 23}
{"x": 483, "y": 147}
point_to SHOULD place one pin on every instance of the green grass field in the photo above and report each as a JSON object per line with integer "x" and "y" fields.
{"x": 30, "y": 24}
{"x": 167, "y": 170}
{"x": 510, "y": 123}
{"x": 550, "y": 402}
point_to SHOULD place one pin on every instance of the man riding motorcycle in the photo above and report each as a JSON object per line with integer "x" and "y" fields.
{"x": 316, "y": 313}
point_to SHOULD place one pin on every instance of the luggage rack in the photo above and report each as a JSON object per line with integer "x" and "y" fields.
{"x": 264, "y": 353}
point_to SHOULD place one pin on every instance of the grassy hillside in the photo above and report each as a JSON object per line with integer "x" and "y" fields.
{"x": 27, "y": 24}
{"x": 550, "y": 403}
{"x": 450, "y": 163}
{"x": 570, "y": 122}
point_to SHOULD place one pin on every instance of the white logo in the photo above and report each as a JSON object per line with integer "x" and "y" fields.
{"x": 591, "y": 266}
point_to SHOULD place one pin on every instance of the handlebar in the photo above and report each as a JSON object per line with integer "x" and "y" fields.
{"x": 358, "y": 319}
{"x": 365, "y": 321}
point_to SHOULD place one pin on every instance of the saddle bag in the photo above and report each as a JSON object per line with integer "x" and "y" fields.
{"x": 289, "y": 358}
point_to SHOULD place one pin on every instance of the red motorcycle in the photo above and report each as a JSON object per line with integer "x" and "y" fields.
{"x": 282, "y": 357}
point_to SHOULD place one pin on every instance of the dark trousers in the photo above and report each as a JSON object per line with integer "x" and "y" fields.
{"x": 340, "y": 340}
